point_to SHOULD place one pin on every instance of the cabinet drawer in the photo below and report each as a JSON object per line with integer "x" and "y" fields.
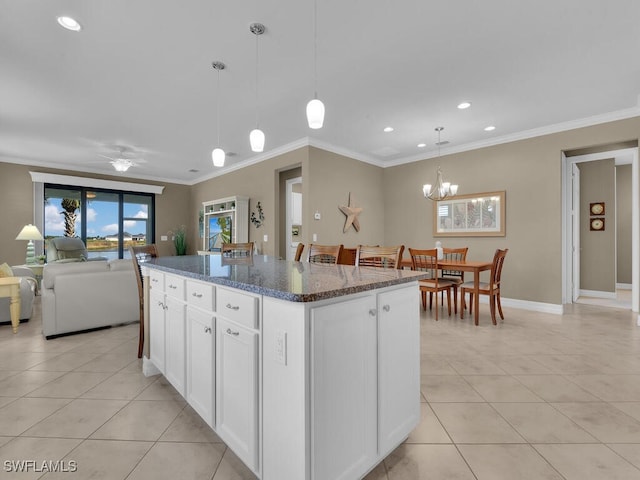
{"x": 156, "y": 280}
{"x": 239, "y": 307}
{"x": 200, "y": 294}
{"x": 174, "y": 286}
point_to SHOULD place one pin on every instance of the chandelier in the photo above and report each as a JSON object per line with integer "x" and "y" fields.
{"x": 441, "y": 189}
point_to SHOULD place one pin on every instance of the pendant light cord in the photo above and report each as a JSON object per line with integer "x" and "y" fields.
{"x": 218, "y": 107}
{"x": 315, "y": 49}
{"x": 257, "y": 108}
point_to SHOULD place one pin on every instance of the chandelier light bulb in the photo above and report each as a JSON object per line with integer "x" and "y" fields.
{"x": 315, "y": 113}
{"x": 256, "y": 137}
{"x": 218, "y": 157}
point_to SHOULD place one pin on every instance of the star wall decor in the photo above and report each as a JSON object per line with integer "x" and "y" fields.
{"x": 352, "y": 213}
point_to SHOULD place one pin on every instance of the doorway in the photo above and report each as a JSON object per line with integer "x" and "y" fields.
{"x": 293, "y": 215}
{"x": 578, "y": 231}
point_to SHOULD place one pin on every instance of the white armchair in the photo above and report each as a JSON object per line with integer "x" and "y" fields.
{"x": 28, "y": 286}
{"x": 68, "y": 250}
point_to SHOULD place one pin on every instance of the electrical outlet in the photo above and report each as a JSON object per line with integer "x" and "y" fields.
{"x": 163, "y": 238}
{"x": 317, "y": 216}
{"x": 315, "y": 237}
{"x": 281, "y": 347}
{"x": 265, "y": 238}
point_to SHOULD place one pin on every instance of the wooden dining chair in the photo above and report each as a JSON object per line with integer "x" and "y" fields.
{"x": 140, "y": 254}
{"x": 324, "y": 253}
{"x": 385, "y": 257}
{"x": 456, "y": 276}
{"x": 348, "y": 256}
{"x": 427, "y": 261}
{"x": 491, "y": 288}
{"x": 299, "y": 250}
{"x": 237, "y": 249}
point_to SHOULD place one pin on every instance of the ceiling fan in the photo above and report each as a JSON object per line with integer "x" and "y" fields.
{"x": 124, "y": 157}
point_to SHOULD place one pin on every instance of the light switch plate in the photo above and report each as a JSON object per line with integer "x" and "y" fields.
{"x": 265, "y": 238}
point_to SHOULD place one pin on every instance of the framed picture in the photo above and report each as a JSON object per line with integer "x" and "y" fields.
{"x": 596, "y": 208}
{"x": 596, "y": 225}
{"x": 473, "y": 215}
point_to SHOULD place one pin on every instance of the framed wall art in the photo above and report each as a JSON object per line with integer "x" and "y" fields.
{"x": 473, "y": 215}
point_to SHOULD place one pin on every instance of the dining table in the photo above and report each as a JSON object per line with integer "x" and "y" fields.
{"x": 474, "y": 266}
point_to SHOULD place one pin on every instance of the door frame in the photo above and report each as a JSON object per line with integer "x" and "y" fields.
{"x": 567, "y": 220}
{"x": 289, "y": 215}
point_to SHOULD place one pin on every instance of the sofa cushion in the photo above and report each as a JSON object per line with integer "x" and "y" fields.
{"x": 52, "y": 270}
{"x": 120, "y": 264}
{"x": 5, "y": 270}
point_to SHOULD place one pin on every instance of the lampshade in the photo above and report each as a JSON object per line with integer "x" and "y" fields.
{"x": 315, "y": 113}
{"x": 256, "y": 138}
{"x": 218, "y": 157}
{"x": 29, "y": 232}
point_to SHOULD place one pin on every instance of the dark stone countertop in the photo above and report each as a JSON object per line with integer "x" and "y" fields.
{"x": 287, "y": 280}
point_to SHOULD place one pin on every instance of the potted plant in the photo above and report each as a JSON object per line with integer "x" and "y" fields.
{"x": 180, "y": 240}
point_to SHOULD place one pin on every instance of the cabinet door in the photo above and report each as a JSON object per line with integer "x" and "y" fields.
{"x": 156, "y": 329}
{"x": 398, "y": 366}
{"x": 200, "y": 373}
{"x": 237, "y": 389}
{"x": 175, "y": 360}
{"x": 343, "y": 388}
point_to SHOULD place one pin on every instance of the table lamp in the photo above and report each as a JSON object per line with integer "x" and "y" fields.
{"x": 31, "y": 233}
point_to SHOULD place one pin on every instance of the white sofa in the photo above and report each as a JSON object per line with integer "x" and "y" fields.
{"x": 88, "y": 295}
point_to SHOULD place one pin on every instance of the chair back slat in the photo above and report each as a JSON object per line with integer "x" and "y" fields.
{"x": 299, "y": 250}
{"x": 457, "y": 254}
{"x": 385, "y": 257}
{"x": 424, "y": 261}
{"x": 324, "y": 253}
{"x": 139, "y": 254}
{"x": 496, "y": 268}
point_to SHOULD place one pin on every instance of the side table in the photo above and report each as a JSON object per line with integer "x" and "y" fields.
{"x": 10, "y": 287}
{"x": 37, "y": 269}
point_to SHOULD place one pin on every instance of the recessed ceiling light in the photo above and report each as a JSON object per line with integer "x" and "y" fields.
{"x": 490, "y": 128}
{"x": 422, "y": 145}
{"x": 388, "y": 129}
{"x": 464, "y": 105}
{"x": 69, "y": 23}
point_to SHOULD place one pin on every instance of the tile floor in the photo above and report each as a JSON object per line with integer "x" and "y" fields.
{"x": 537, "y": 397}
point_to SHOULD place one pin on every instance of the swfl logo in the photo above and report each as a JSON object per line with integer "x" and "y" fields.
{"x": 40, "y": 467}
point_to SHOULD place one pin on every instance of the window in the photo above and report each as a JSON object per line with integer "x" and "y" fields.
{"x": 108, "y": 221}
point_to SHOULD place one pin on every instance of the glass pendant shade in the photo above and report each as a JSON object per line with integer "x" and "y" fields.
{"x": 218, "y": 157}
{"x": 256, "y": 138}
{"x": 315, "y": 113}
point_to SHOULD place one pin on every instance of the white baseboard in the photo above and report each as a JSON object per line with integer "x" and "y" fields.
{"x": 597, "y": 294}
{"x": 148, "y": 368}
{"x": 527, "y": 305}
{"x": 623, "y": 286}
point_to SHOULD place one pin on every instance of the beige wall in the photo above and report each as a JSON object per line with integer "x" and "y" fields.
{"x": 530, "y": 172}
{"x": 597, "y": 248}
{"x": 16, "y": 194}
{"x": 623, "y": 223}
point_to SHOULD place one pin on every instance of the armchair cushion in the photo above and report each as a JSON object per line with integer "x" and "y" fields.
{"x": 28, "y": 286}
{"x": 66, "y": 249}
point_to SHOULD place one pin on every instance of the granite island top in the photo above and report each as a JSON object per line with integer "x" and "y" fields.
{"x": 287, "y": 280}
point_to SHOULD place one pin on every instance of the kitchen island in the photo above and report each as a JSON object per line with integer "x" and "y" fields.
{"x": 306, "y": 371}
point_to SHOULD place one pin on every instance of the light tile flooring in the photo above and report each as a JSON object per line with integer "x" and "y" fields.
{"x": 538, "y": 397}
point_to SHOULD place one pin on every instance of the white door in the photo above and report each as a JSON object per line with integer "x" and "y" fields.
{"x": 294, "y": 214}
{"x": 343, "y": 388}
{"x": 237, "y": 390}
{"x": 575, "y": 230}
{"x": 200, "y": 366}
{"x": 156, "y": 329}
{"x": 398, "y": 366}
{"x": 175, "y": 360}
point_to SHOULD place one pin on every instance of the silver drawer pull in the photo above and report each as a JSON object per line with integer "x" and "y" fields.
{"x": 386, "y": 308}
{"x": 154, "y": 280}
{"x": 173, "y": 286}
{"x": 231, "y": 332}
{"x": 197, "y": 295}
{"x": 372, "y": 312}
{"x": 207, "y": 329}
{"x": 233, "y": 307}
{"x": 160, "y": 304}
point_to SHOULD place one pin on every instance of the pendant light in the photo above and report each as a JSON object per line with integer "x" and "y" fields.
{"x": 315, "y": 108}
{"x": 256, "y": 137}
{"x": 218, "y": 153}
{"x": 441, "y": 188}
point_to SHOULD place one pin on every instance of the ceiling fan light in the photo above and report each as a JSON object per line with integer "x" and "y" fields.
{"x": 69, "y": 23}
{"x": 121, "y": 165}
{"x": 256, "y": 137}
{"x": 315, "y": 113}
{"x": 218, "y": 157}
{"x": 426, "y": 189}
{"x": 453, "y": 189}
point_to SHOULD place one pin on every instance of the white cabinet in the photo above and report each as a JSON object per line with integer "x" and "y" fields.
{"x": 237, "y": 389}
{"x": 226, "y": 220}
{"x": 398, "y": 370}
{"x": 175, "y": 346}
{"x": 157, "y": 328}
{"x": 343, "y": 388}
{"x": 200, "y": 363}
